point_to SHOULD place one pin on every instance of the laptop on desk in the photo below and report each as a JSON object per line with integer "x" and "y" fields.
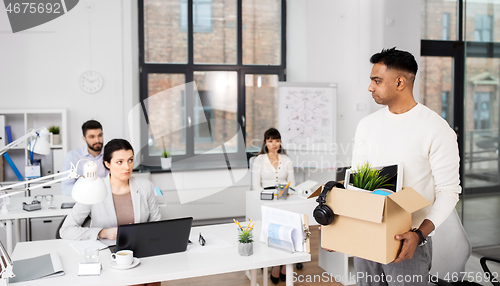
{"x": 154, "y": 238}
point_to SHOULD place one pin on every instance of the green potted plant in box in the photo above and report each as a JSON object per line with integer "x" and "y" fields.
{"x": 367, "y": 178}
{"x": 166, "y": 160}
{"x": 245, "y": 239}
{"x": 56, "y": 137}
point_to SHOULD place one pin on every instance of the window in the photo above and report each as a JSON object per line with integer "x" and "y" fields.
{"x": 483, "y": 26}
{"x": 446, "y": 26}
{"x": 232, "y": 51}
{"x": 467, "y": 65}
{"x": 438, "y": 20}
{"x": 482, "y": 110}
{"x": 202, "y": 16}
{"x": 445, "y": 105}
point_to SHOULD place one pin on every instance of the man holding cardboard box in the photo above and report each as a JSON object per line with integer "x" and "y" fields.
{"x": 410, "y": 134}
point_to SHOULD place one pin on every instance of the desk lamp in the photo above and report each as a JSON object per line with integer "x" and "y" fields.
{"x": 88, "y": 189}
{"x": 39, "y": 145}
{"x": 5, "y": 266}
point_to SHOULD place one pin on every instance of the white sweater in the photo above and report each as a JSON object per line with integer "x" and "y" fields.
{"x": 426, "y": 146}
{"x": 265, "y": 175}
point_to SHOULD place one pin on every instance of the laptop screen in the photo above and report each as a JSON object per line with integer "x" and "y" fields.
{"x": 154, "y": 238}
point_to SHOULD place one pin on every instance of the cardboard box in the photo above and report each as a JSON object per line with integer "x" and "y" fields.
{"x": 365, "y": 224}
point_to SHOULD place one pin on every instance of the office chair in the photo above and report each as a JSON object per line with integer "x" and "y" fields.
{"x": 250, "y": 165}
{"x": 450, "y": 248}
{"x": 86, "y": 223}
{"x": 483, "y": 261}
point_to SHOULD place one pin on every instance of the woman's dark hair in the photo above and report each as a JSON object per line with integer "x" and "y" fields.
{"x": 112, "y": 146}
{"x": 271, "y": 133}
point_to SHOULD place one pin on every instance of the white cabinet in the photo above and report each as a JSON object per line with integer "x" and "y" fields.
{"x": 20, "y": 122}
{"x": 43, "y": 228}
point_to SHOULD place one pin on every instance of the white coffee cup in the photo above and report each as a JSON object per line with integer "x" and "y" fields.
{"x": 123, "y": 257}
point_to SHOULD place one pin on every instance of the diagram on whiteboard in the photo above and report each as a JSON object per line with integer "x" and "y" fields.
{"x": 306, "y": 116}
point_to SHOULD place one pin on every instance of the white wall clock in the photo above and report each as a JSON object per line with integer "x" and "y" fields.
{"x": 91, "y": 82}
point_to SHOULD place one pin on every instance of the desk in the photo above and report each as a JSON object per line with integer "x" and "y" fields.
{"x": 165, "y": 267}
{"x": 335, "y": 263}
{"x": 294, "y": 203}
{"x": 16, "y": 213}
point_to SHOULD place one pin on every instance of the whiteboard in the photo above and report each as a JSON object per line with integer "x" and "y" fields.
{"x": 307, "y": 115}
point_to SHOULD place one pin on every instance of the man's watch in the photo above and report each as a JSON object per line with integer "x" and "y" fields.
{"x": 423, "y": 239}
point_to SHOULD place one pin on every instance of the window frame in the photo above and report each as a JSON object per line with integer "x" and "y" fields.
{"x": 459, "y": 50}
{"x": 189, "y": 68}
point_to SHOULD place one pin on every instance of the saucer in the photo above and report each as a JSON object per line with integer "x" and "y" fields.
{"x": 123, "y": 267}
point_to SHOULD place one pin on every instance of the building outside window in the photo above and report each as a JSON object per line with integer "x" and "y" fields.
{"x": 483, "y": 28}
{"x": 482, "y": 110}
{"x": 202, "y": 16}
{"x": 446, "y": 26}
{"x": 445, "y": 105}
{"x": 222, "y": 46}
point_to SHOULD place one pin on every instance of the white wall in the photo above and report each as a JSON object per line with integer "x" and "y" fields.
{"x": 40, "y": 67}
{"x": 327, "y": 41}
{"x": 332, "y": 41}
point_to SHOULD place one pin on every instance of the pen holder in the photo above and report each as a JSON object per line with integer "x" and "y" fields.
{"x": 245, "y": 242}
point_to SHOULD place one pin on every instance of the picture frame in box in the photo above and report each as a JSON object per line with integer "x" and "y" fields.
{"x": 394, "y": 172}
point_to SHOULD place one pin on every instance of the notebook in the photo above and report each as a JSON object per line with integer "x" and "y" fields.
{"x": 43, "y": 266}
{"x": 154, "y": 238}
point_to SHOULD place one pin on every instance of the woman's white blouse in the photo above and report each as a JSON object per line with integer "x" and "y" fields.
{"x": 265, "y": 175}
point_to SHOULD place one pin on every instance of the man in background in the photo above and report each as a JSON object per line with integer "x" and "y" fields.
{"x": 92, "y": 135}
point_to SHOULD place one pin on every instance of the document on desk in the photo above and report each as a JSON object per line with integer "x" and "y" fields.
{"x": 81, "y": 245}
{"x": 277, "y": 233}
{"x": 281, "y": 225}
{"x": 43, "y": 266}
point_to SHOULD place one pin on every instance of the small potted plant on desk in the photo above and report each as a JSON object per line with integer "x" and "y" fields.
{"x": 245, "y": 239}
{"x": 166, "y": 160}
{"x": 56, "y": 137}
{"x": 368, "y": 178}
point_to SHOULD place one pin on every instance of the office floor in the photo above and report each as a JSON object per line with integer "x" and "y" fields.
{"x": 481, "y": 221}
{"x": 239, "y": 278}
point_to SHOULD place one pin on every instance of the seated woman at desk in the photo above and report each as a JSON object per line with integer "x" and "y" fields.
{"x": 129, "y": 200}
{"x": 272, "y": 167}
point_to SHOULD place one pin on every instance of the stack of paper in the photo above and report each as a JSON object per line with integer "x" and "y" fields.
{"x": 81, "y": 245}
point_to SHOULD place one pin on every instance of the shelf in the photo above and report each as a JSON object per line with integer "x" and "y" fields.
{"x": 18, "y": 148}
{"x": 23, "y": 120}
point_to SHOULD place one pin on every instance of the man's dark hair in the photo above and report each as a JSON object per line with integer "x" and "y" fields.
{"x": 91, "y": 124}
{"x": 112, "y": 146}
{"x": 396, "y": 59}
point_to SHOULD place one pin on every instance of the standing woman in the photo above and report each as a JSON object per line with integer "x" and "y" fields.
{"x": 271, "y": 167}
{"x": 129, "y": 200}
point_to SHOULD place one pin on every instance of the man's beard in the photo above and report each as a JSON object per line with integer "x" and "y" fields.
{"x": 96, "y": 147}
